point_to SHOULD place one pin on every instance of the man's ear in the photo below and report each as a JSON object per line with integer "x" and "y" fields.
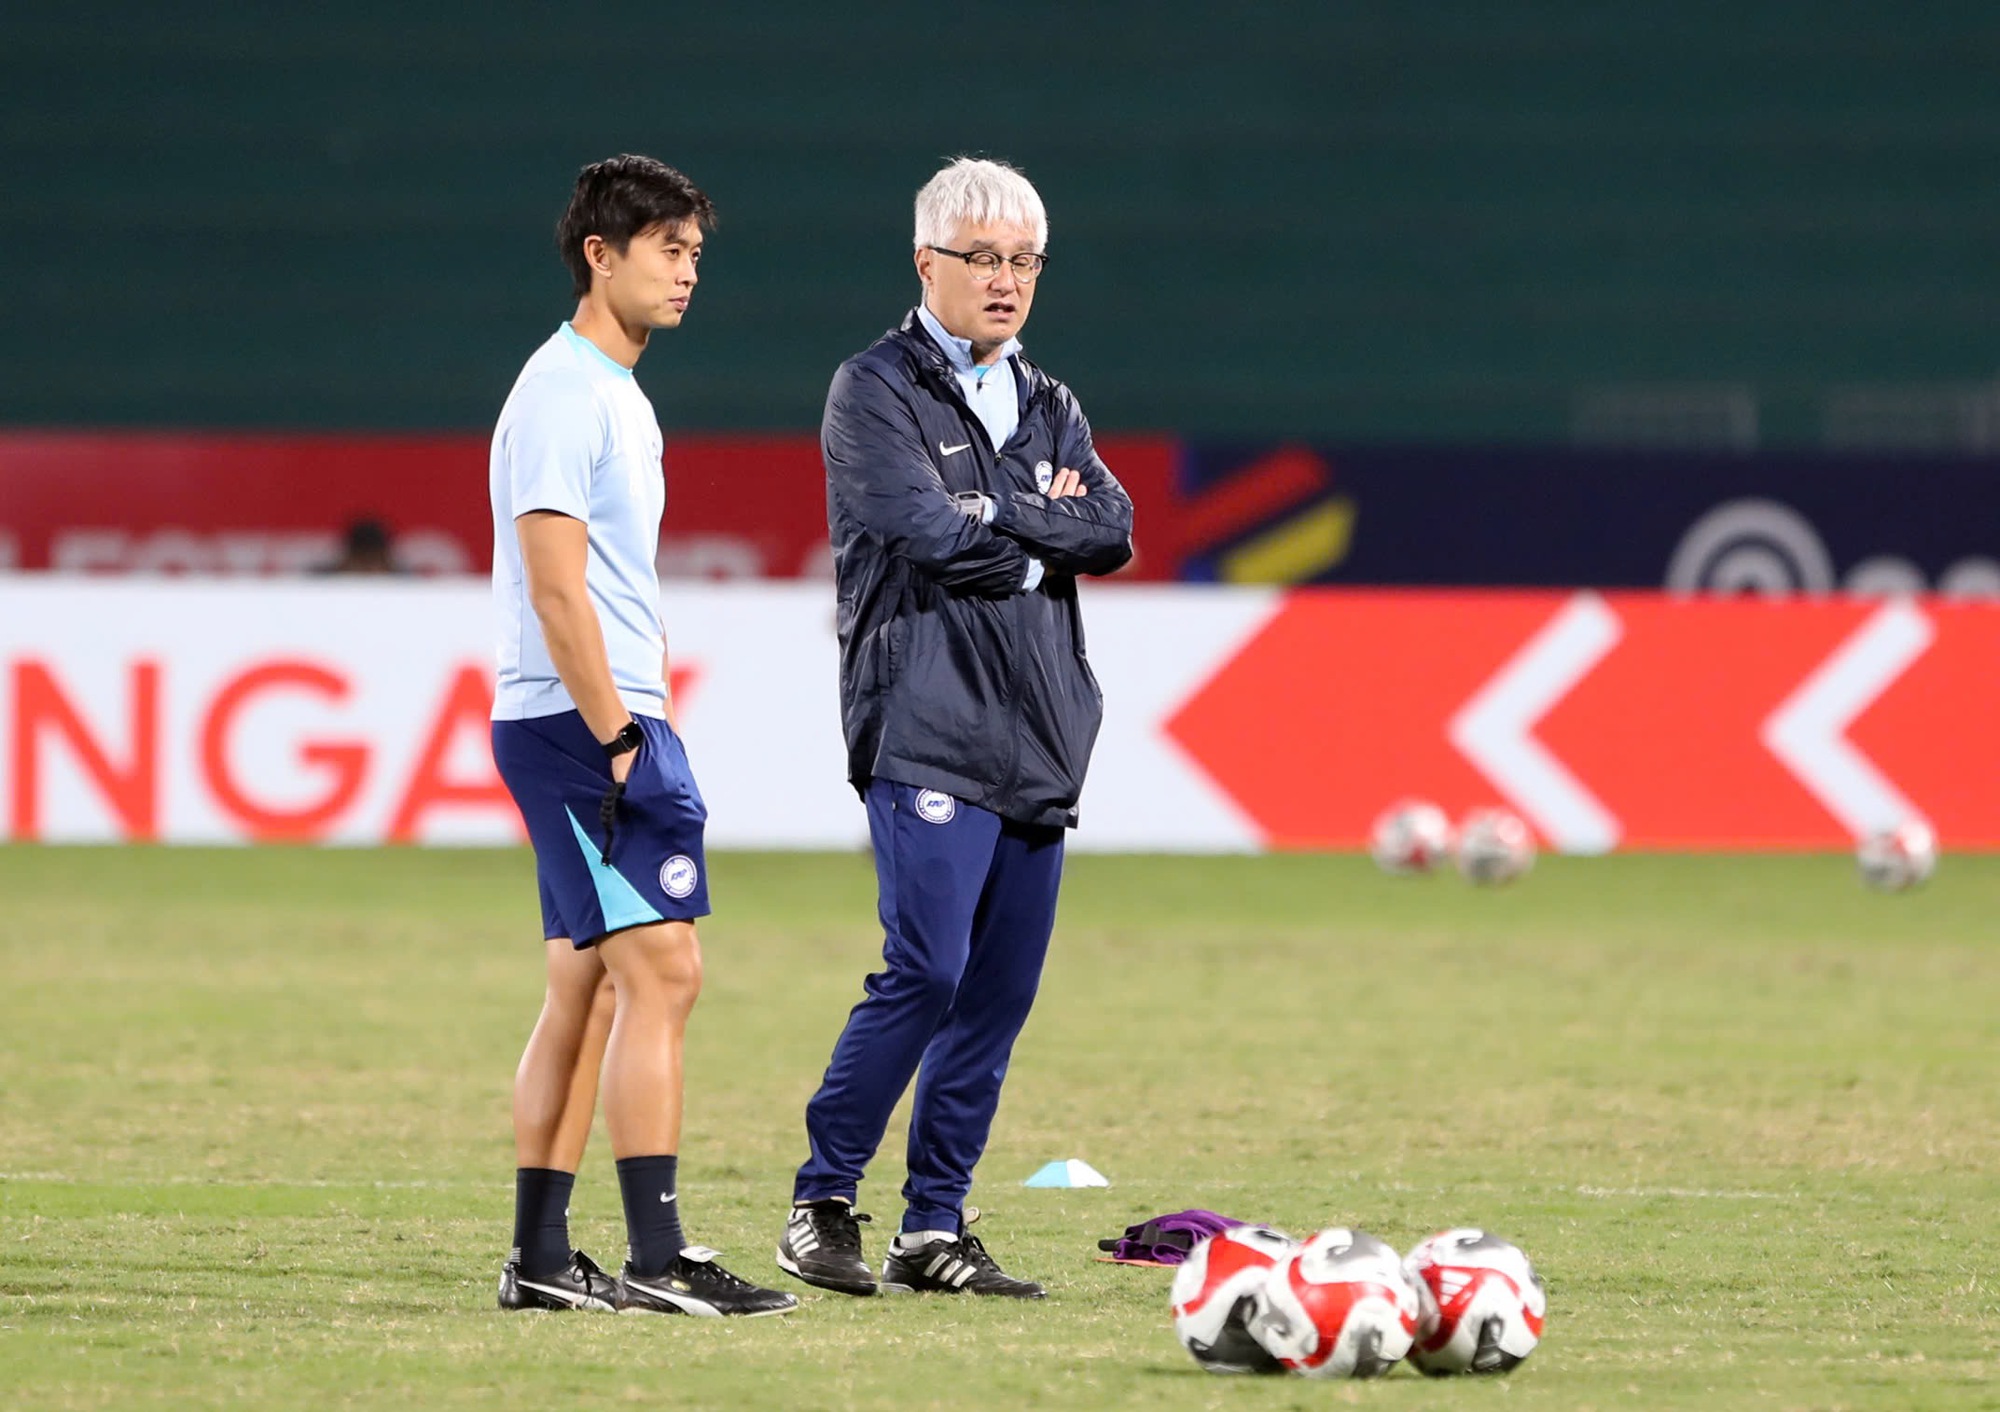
{"x": 597, "y": 254}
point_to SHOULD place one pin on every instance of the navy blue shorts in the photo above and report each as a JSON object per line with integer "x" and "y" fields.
{"x": 558, "y": 773}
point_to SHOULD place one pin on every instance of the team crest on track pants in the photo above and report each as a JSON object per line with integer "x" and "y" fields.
{"x": 967, "y": 901}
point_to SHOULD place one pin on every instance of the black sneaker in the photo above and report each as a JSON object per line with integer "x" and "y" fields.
{"x": 959, "y": 1266}
{"x": 822, "y": 1246}
{"x": 578, "y": 1285}
{"x": 695, "y": 1284}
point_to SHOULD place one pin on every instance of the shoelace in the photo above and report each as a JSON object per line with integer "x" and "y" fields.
{"x": 728, "y": 1278}
{"x": 972, "y": 1250}
{"x": 844, "y": 1225}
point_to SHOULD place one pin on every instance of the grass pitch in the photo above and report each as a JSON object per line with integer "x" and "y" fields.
{"x": 254, "y": 1145}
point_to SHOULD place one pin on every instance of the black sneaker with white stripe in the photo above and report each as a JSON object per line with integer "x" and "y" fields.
{"x": 696, "y": 1284}
{"x": 578, "y": 1285}
{"x": 959, "y": 1266}
{"x": 822, "y": 1246}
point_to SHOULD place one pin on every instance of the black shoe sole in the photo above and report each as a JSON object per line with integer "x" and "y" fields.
{"x": 705, "y": 1311}
{"x": 853, "y": 1287}
{"x": 889, "y": 1286}
{"x": 633, "y": 1312}
{"x": 592, "y": 1308}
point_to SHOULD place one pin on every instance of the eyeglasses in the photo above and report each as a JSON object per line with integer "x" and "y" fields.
{"x": 984, "y": 264}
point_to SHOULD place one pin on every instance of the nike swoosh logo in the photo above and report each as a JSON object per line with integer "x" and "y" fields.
{"x": 954, "y": 450}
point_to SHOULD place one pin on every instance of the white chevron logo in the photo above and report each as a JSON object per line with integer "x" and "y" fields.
{"x": 1492, "y": 729}
{"x": 1808, "y": 730}
{"x": 575, "y": 1299}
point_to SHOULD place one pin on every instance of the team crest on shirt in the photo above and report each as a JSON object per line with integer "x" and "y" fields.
{"x": 1045, "y": 476}
{"x": 936, "y": 808}
{"x": 678, "y": 875}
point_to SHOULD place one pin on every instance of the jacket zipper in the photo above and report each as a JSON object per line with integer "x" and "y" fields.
{"x": 949, "y": 387}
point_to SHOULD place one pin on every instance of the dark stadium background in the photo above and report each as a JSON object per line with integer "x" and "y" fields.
{"x": 1439, "y": 222}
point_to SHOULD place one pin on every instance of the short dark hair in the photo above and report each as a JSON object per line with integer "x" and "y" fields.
{"x": 617, "y": 199}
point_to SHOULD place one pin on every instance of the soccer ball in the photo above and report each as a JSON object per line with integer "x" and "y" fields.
{"x": 1339, "y": 1306}
{"x": 1216, "y": 1290}
{"x": 1898, "y": 858}
{"x": 1494, "y": 846}
{"x": 1481, "y": 1304}
{"x": 1411, "y": 836}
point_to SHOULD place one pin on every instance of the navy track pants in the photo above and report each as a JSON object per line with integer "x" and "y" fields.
{"x": 967, "y": 901}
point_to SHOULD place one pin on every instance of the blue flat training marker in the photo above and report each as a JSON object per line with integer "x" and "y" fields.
{"x": 1071, "y": 1173}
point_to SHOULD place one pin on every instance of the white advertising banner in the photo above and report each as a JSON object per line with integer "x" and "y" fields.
{"x": 355, "y": 712}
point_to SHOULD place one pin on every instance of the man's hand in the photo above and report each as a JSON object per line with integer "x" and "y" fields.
{"x": 621, "y": 765}
{"x": 1067, "y": 483}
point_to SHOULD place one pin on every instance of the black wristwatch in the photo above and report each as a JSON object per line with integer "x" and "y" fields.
{"x": 629, "y": 737}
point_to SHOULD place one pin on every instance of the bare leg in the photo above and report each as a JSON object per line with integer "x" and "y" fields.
{"x": 573, "y": 1132}
{"x": 656, "y": 971}
{"x": 559, "y": 1067}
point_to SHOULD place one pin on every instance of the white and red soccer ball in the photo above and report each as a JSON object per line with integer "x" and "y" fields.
{"x": 1898, "y": 858}
{"x": 1216, "y": 1291}
{"x": 1410, "y": 836}
{"x": 1346, "y": 1305}
{"x": 1493, "y": 846}
{"x": 1339, "y": 1306}
{"x": 1481, "y": 1303}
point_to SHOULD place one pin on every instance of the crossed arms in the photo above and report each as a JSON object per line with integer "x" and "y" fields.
{"x": 881, "y": 472}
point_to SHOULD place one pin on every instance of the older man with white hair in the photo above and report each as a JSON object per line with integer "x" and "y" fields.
{"x": 964, "y": 496}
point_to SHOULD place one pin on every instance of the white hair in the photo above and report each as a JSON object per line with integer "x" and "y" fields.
{"x": 982, "y": 192}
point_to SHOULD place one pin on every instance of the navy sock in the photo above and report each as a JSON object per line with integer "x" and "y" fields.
{"x": 541, "y": 1218}
{"x": 652, "y": 1212}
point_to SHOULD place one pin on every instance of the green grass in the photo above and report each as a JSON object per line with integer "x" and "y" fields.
{"x": 253, "y": 1129}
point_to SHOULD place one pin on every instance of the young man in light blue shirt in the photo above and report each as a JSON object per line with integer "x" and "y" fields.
{"x": 583, "y": 733}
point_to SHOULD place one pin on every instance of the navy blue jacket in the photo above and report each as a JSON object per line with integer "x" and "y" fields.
{"x": 952, "y": 677}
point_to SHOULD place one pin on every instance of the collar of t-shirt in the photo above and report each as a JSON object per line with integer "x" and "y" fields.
{"x": 989, "y": 389}
{"x": 591, "y": 350}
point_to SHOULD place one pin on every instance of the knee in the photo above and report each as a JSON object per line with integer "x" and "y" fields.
{"x": 684, "y": 974}
{"x": 603, "y": 1001}
{"x": 928, "y": 984}
{"x": 660, "y": 964}
{"x": 573, "y": 1006}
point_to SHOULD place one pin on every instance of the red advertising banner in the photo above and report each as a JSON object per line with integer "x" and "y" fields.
{"x": 355, "y": 711}
{"x": 1617, "y": 720}
{"x": 738, "y": 507}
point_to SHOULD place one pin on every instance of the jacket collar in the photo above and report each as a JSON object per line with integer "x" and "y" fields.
{"x": 917, "y": 342}
{"x": 958, "y": 351}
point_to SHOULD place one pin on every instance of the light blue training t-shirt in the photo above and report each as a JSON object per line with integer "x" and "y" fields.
{"x": 577, "y": 436}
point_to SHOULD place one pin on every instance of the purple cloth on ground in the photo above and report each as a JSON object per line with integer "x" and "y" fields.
{"x": 1166, "y": 1240}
